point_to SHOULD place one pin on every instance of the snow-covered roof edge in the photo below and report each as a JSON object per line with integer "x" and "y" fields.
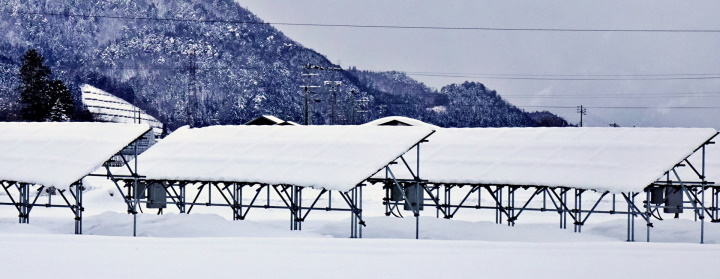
{"x": 159, "y": 163}
{"x": 99, "y": 165}
{"x": 425, "y": 139}
{"x": 403, "y": 119}
{"x": 63, "y": 166}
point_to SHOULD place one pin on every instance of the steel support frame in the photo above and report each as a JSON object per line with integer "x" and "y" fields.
{"x": 503, "y": 201}
{"x": 694, "y": 193}
{"x": 507, "y": 208}
{"x": 26, "y": 196}
{"x": 242, "y": 197}
{"x": 400, "y": 185}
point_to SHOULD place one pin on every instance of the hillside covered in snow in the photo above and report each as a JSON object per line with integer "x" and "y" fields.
{"x": 220, "y": 64}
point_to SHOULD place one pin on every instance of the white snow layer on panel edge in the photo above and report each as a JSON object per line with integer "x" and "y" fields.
{"x": 60, "y": 153}
{"x": 406, "y": 120}
{"x": 712, "y": 165}
{"x": 108, "y": 107}
{"x": 604, "y": 159}
{"x": 328, "y": 157}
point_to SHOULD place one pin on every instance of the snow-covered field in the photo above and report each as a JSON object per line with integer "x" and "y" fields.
{"x": 206, "y": 244}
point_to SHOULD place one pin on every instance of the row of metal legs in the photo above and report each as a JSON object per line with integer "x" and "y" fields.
{"x": 241, "y": 198}
{"x": 24, "y": 197}
{"x": 566, "y": 202}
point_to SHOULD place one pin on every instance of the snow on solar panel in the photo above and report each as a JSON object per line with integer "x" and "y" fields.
{"x": 712, "y": 165}
{"x": 109, "y": 108}
{"x": 60, "y": 153}
{"x": 605, "y": 159}
{"x": 399, "y": 120}
{"x": 329, "y": 157}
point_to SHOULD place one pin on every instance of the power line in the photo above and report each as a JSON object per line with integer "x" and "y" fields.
{"x": 406, "y": 27}
{"x": 567, "y": 78}
{"x": 627, "y": 107}
{"x": 618, "y": 96}
{"x": 575, "y": 107}
{"x": 564, "y": 75}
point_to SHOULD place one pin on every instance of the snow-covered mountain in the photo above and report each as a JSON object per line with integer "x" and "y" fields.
{"x": 215, "y": 63}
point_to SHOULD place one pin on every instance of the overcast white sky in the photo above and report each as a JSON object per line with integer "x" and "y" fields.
{"x": 532, "y": 53}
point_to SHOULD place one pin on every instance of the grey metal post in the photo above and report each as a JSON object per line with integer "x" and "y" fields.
{"x": 182, "y": 197}
{"x": 499, "y": 206}
{"x": 497, "y": 216}
{"x": 647, "y": 211}
{"x": 578, "y": 197}
{"x": 566, "y": 210}
{"x": 299, "y": 207}
{"x": 511, "y": 206}
{"x": 360, "y": 208}
{"x": 628, "y": 220}
{"x": 417, "y": 193}
{"x": 575, "y": 206}
{"x": 702, "y": 220}
{"x": 78, "y": 207}
{"x": 292, "y": 212}
{"x": 633, "y": 217}
{"x": 135, "y": 190}
{"x": 356, "y": 227}
{"x": 24, "y": 203}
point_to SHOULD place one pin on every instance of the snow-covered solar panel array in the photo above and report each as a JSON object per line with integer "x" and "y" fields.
{"x": 60, "y": 153}
{"x": 328, "y": 157}
{"x": 107, "y": 107}
{"x": 605, "y": 159}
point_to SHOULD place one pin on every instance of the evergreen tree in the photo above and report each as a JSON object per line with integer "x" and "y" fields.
{"x": 34, "y": 79}
{"x": 41, "y": 98}
{"x": 62, "y": 102}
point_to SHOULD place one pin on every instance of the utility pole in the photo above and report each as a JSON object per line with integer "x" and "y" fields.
{"x": 582, "y": 111}
{"x": 362, "y": 108}
{"x": 192, "y": 89}
{"x": 334, "y": 85}
{"x": 308, "y": 90}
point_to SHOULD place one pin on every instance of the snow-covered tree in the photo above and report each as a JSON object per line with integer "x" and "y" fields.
{"x": 41, "y": 98}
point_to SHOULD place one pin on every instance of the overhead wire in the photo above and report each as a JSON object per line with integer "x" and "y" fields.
{"x": 479, "y": 28}
{"x": 625, "y": 107}
{"x": 560, "y": 77}
{"x": 540, "y": 77}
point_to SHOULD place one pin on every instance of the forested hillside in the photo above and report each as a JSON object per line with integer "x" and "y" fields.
{"x": 216, "y": 63}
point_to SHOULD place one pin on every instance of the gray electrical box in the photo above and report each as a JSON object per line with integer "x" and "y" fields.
{"x": 141, "y": 187}
{"x": 657, "y": 195}
{"x": 415, "y": 195}
{"x": 395, "y": 193}
{"x": 673, "y": 200}
{"x": 157, "y": 197}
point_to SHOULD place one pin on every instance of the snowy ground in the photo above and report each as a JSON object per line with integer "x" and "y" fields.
{"x": 205, "y": 243}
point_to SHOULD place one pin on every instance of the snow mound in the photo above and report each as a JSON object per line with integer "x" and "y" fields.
{"x": 183, "y": 225}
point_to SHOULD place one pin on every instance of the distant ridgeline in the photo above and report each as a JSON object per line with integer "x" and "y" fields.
{"x": 226, "y": 73}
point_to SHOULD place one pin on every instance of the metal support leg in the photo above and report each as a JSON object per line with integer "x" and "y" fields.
{"x": 78, "y": 206}
{"x": 629, "y": 214}
{"x": 359, "y": 202}
{"x": 647, "y": 212}
{"x": 24, "y": 203}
